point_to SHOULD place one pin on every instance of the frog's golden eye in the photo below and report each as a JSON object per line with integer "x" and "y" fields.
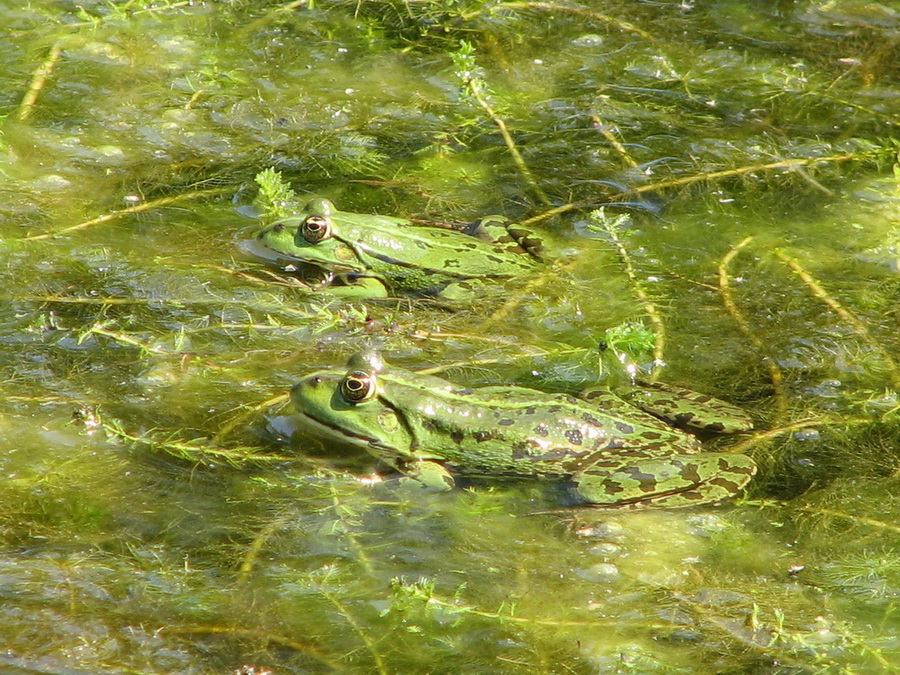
{"x": 315, "y": 229}
{"x": 358, "y": 386}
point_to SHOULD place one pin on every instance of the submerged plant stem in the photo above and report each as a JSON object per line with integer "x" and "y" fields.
{"x": 569, "y": 9}
{"x": 731, "y": 307}
{"x": 248, "y": 633}
{"x": 454, "y": 608}
{"x": 740, "y": 171}
{"x": 238, "y": 419}
{"x": 864, "y": 520}
{"x": 650, "y": 309}
{"x": 605, "y": 131}
{"x": 138, "y": 208}
{"x": 380, "y": 667}
{"x": 762, "y": 436}
{"x": 38, "y": 81}
{"x": 858, "y": 326}
{"x": 255, "y": 547}
{"x": 193, "y": 452}
{"x": 475, "y": 90}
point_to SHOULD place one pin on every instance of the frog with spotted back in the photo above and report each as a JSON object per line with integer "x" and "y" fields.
{"x": 609, "y": 452}
{"x": 380, "y": 256}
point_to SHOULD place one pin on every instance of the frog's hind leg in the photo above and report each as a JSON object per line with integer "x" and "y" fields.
{"x": 674, "y": 481}
{"x": 734, "y": 474}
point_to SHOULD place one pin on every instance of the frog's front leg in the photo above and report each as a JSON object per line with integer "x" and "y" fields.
{"x": 676, "y": 480}
{"x": 431, "y": 476}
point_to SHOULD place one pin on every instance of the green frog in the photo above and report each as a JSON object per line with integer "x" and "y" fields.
{"x": 379, "y": 256}
{"x": 605, "y": 450}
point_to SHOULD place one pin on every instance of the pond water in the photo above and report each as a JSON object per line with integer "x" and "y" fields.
{"x": 161, "y": 512}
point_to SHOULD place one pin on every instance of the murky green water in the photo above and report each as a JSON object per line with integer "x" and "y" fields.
{"x": 154, "y": 518}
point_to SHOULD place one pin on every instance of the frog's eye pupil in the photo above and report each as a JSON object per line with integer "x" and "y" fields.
{"x": 357, "y": 387}
{"x": 315, "y": 229}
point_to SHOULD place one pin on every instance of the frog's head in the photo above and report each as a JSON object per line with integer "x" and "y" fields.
{"x": 312, "y": 237}
{"x": 348, "y": 405}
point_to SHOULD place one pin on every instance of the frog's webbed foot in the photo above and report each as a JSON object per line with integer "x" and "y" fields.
{"x": 358, "y": 287}
{"x": 431, "y": 476}
{"x": 511, "y": 236}
{"x": 460, "y": 291}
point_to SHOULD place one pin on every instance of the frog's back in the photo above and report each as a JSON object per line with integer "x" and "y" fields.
{"x": 450, "y": 253}
{"x": 518, "y": 431}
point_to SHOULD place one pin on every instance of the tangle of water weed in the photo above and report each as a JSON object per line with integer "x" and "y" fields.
{"x": 43, "y": 72}
{"x": 775, "y": 376}
{"x": 863, "y": 520}
{"x": 551, "y": 275}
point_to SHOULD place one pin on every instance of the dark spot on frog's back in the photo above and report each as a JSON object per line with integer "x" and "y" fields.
{"x": 683, "y": 419}
{"x": 590, "y": 419}
{"x": 574, "y": 436}
{"x": 550, "y": 455}
{"x": 623, "y": 428}
{"x": 506, "y": 422}
{"x": 689, "y": 473}
{"x": 725, "y": 484}
{"x": 748, "y": 470}
{"x": 611, "y": 487}
{"x": 457, "y": 437}
{"x": 482, "y": 436}
{"x": 647, "y": 481}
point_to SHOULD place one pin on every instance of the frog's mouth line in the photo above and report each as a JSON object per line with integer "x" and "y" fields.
{"x": 375, "y": 446}
{"x": 255, "y": 249}
{"x": 333, "y": 432}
